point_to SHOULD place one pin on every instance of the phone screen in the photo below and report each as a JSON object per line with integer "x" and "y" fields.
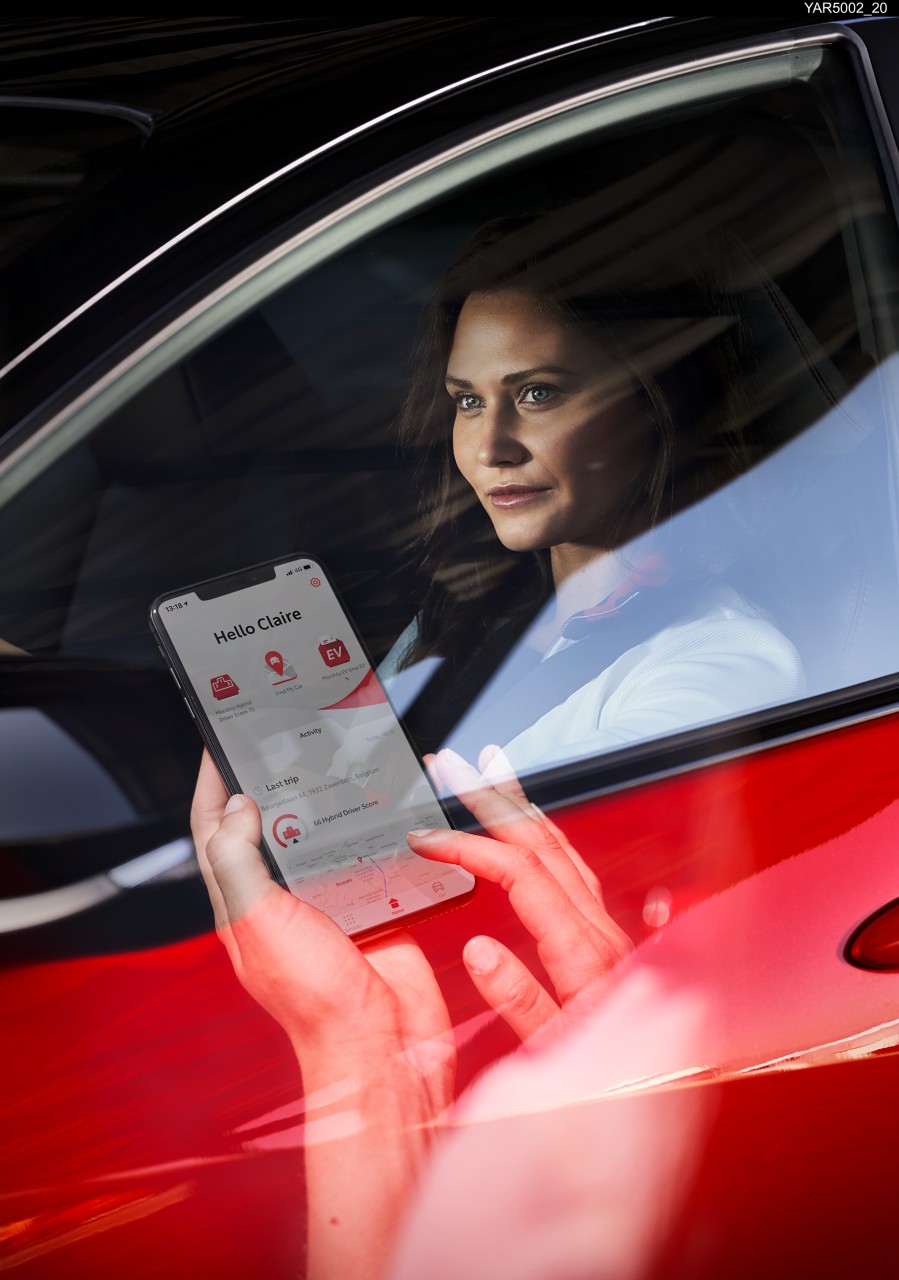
{"x": 293, "y": 711}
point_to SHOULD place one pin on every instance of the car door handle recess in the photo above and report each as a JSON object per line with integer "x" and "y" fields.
{"x": 875, "y": 943}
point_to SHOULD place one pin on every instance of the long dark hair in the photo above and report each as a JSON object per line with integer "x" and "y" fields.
{"x": 467, "y": 584}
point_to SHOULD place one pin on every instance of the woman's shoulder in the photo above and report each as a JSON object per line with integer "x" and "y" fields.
{"x": 721, "y": 657}
{"x": 721, "y": 620}
{"x": 722, "y": 644}
{"x": 722, "y": 600}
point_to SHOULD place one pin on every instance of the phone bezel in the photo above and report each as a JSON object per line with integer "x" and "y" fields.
{"x": 228, "y": 584}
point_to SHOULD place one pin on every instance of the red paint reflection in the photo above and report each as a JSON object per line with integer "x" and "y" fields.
{"x": 149, "y": 1109}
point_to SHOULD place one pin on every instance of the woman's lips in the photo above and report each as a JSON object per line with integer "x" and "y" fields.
{"x": 514, "y": 495}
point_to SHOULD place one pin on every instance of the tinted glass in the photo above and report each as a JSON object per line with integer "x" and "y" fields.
{"x": 701, "y": 464}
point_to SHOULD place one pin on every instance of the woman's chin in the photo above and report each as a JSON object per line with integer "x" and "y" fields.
{"x": 522, "y": 540}
{"x": 520, "y": 531}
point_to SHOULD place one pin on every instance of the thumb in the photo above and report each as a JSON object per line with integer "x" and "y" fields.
{"x": 235, "y": 866}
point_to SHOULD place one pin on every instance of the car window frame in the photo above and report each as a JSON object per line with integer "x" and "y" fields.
{"x": 446, "y": 170}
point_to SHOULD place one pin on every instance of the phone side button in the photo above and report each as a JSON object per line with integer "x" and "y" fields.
{"x": 175, "y": 678}
{"x": 189, "y": 707}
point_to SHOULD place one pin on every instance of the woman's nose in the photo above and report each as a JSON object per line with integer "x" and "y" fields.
{"x": 499, "y": 442}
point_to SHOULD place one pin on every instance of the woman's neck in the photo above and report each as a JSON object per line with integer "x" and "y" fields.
{"x": 582, "y": 577}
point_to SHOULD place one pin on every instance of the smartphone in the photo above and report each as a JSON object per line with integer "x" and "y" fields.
{"x": 287, "y": 700}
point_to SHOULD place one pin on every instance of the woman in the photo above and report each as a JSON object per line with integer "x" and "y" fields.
{"x": 587, "y": 431}
{"x": 571, "y": 446}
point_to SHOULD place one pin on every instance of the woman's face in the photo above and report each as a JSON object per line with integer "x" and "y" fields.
{"x": 550, "y": 433}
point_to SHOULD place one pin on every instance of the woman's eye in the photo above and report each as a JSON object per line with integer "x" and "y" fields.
{"x": 468, "y": 401}
{"x": 537, "y": 394}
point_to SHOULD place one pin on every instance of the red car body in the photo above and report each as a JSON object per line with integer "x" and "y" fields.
{"x": 136, "y": 1141}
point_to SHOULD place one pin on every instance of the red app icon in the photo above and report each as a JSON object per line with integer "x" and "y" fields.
{"x": 223, "y": 687}
{"x": 333, "y": 651}
{"x": 285, "y": 831}
{"x": 278, "y": 669}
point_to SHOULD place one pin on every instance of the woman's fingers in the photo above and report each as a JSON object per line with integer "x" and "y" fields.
{"x": 508, "y": 822}
{"x": 575, "y": 950}
{"x": 337, "y": 1003}
{"x": 551, "y": 889}
{"x": 434, "y": 773}
{"x": 587, "y": 874}
{"x": 496, "y": 811}
{"x": 293, "y": 959}
{"x": 486, "y": 754}
{"x": 496, "y": 771}
{"x": 508, "y": 986}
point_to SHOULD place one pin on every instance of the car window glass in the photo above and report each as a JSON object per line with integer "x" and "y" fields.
{"x": 732, "y": 261}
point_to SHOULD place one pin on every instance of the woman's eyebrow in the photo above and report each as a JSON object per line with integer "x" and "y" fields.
{"x": 520, "y": 375}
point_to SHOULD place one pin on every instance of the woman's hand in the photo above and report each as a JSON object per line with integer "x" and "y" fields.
{"x": 368, "y": 1024}
{"x": 552, "y": 890}
{"x": 376, "y": 1001}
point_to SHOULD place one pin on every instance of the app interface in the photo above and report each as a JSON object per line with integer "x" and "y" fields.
{"x": 307, "y": 729}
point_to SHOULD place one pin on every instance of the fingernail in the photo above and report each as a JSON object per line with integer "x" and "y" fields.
{"x": 449, "y": 754}
{"x": 422, "y": 833}
{"x": 235, "y": 803}
{"x": 481, "y": 955}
